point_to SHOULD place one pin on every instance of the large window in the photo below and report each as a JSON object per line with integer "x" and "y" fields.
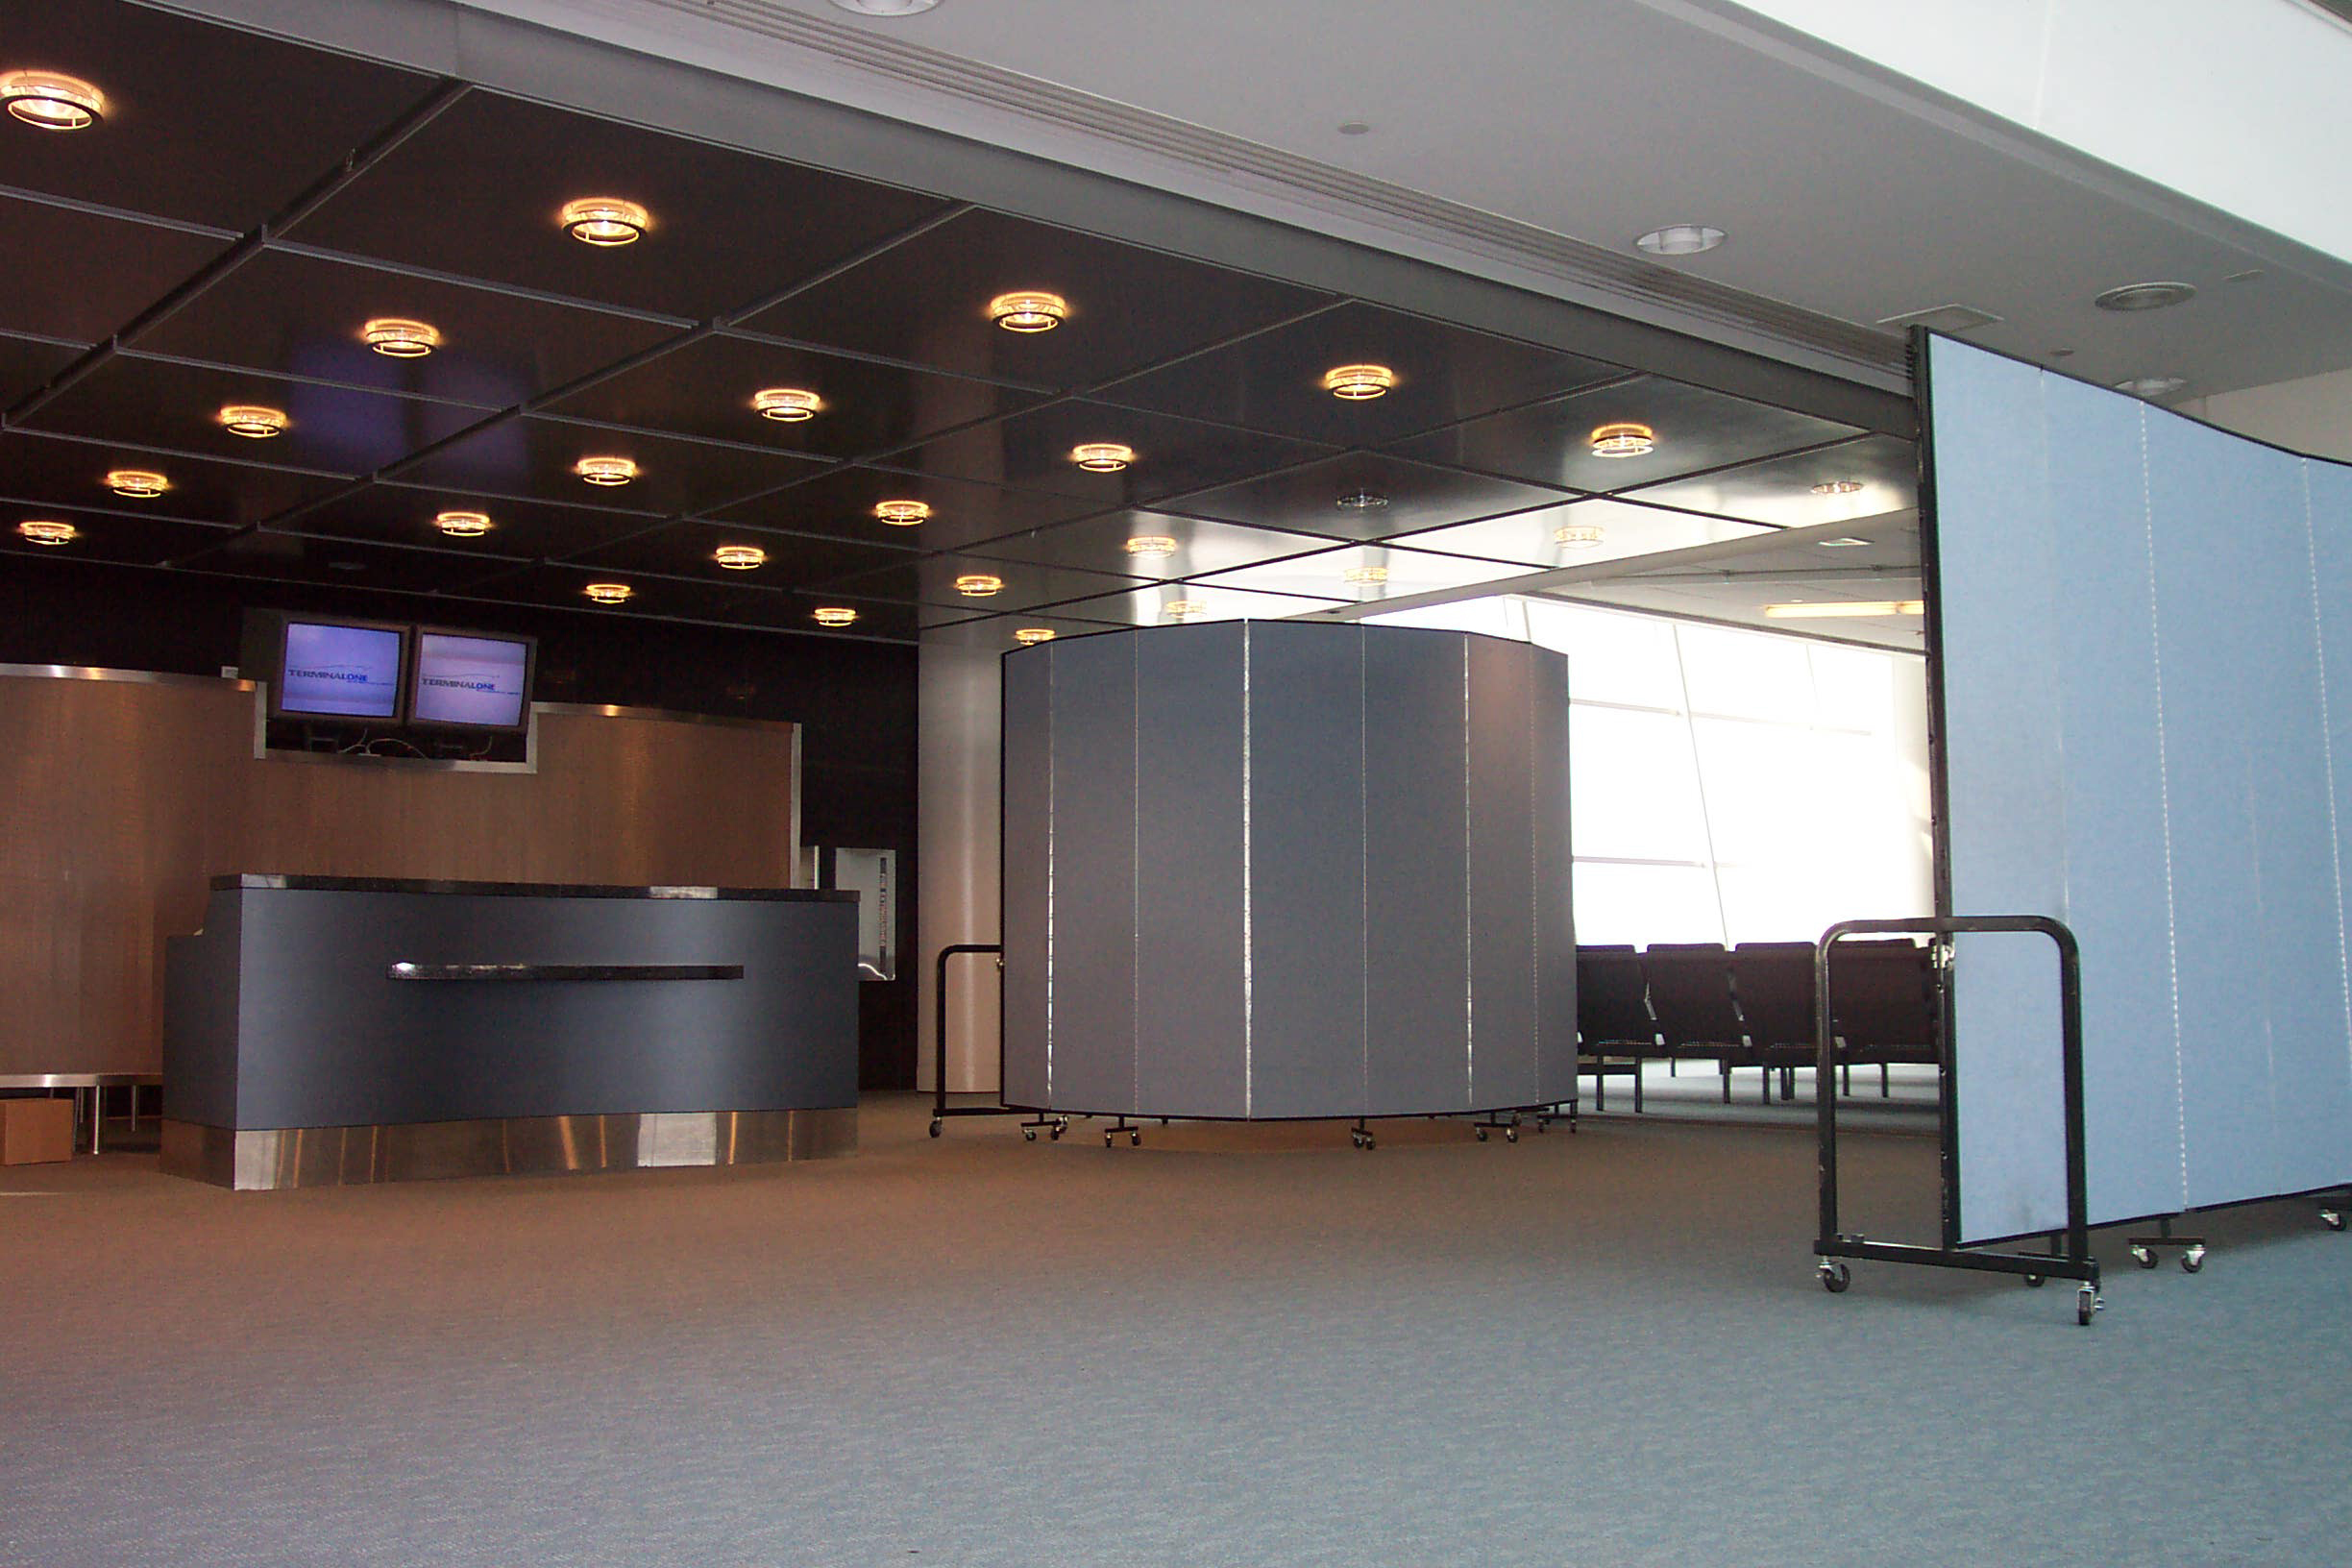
{"x": 1729, "y": 786}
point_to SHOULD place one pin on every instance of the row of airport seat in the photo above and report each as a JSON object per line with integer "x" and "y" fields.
{"x": 1752, "y": 1006}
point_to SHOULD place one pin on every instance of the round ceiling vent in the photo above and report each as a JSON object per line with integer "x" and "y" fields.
{"x": 886, "y": 8}
{"x": 2145, "y": 296}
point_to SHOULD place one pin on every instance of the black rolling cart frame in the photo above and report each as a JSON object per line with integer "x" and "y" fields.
{"x": 2074, "y": 1261}
{"x": 940, "y": 1109}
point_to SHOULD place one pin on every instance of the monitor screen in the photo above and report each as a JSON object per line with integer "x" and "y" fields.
{"x": 341, "y": 671}
{"x": 477, "y": 682}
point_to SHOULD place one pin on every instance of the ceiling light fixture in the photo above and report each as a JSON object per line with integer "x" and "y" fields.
{"x": 604, "y": 220}
{"x": 463, "y": 525}
{"x": 886, "y": 7}
{"x": 2145, "y": 296}
{"x": 1359, "y": 384}
{"x": 1837, "y": 487}
{"x": 605, "y": 470}
{"x": 903, "y": 514}
{"x": 1184, "y": 610}
{"x": 1151, "y": 546}
{"x": 833, "y": 615}
{"x": 609, "y": 592}
{"x": 1361, "y": 501}
{"x": 1624, "y": 439}
{"x": 251, "y": 420}
{"x": 1364, "y": 576}
{"x": 1578, "y": 535}
{"x": 2151, "y": 386}
{"x": 1845, "y": 609}
{"x": 1026, "y": 635}
{"x": 739, "y": 557}
{"x": 1028, "y": 310}
{"x": 787, "y": 404}
{"x": 1102, "y": 456}
{"x": 978, "y": 585}
{"x": 51, "y": 100}
{"x": 1680, "y": 239}
{"x": 137, "y": 483}
{"x": 42, "y": 531}
{"x": 401, "y": 339}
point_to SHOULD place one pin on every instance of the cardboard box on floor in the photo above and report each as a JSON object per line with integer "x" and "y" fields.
{"x": 33, "y": 1131}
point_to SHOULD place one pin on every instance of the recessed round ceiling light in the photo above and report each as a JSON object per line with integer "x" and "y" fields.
{"x": 788, "y": 404}
{"x": 1624, "y": 439}
{"x": 1184, "y": 610}
{"x": 903, "y": 514}
{"x": 604, "y": 220}
{"x": 739, "y": 557}
{"x": 1837, "y": 487}
{"x": 2151, "y": 386}
{"x": 886, "y": 7}
{"x": 1578, "y": 535}
{"x": 251, "y": 420}
{"x": 833, "y": 615}
{"x": 1680, "y": 239}
{"x": 43, "y": 532}
{"x": 52, "y": 100}
{"x": 978, "y": 585}
{"x": 1364, "y": 576}
{"x": 463, "y": 525}
{"x": 1151, "y": 546}
{"x": 401, "y": 339}
{"x": 1102, "y": 456}
{"x": 1354, "y": 128}
{"x": 609, "y": 592}
{"x": 605, "y": 470}
{"x": 1026, "y": 635}
{"x": 347, "y": 566}
{"x": 137, "y": 483}
{"x": 2145, "y": 296}
{"x": 1361, "y": 501}
{"x": 1028, "y": 310}
{"x": 1357, "y": 383}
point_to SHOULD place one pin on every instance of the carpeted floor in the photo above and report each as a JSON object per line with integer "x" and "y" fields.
{"x": 1229, "y": 1347}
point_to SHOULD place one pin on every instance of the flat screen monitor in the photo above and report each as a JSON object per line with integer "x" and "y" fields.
{"x": 338, "y": 669}
{"x": 466, "y": 681}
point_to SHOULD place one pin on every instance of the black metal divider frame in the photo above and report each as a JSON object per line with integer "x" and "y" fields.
{"x": 940, "y": 1109}
{"x": 2075, "y": 1261}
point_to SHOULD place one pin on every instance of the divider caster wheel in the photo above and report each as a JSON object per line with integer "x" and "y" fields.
{"x": 1482, "y": 1134}
{"x": 1135, "y": 1139}
{"x": 1107, "y": 1140}
{"x": 1511, "y": 1134}
{"x": 1835, "y": 1277}
{"x": 2085, "y": 1302}
{"x": 2332, "y": 1219}
{"x": 2035, "y": 1282}
{"x": 2146, "y": 1258}
{"x": 1029, "y": 1135}
{"x": 2193, "y": 1259}
{"x": 934, "y": 1126}
{"x": 1056, "y": 1131}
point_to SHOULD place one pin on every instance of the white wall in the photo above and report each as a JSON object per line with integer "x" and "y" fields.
{"x": 2313, "y": 414}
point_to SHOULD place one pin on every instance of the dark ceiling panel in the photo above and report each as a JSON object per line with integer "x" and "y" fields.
{"x": 341, "y": 562}
{"x": 841, "y": 504}
{"x": 926, "y": 301}
{"x": 478, "y": 192}
{"x": 302, "y": 315}
{"x": 26, "y": 364}
{"x": 1779, "y": 490}
{"x": 1550, "y": 443}
{"x": 931, "y": 580}
{"x": 797, "y": 612}
{"x": 562, "y": 587}
{"x": 1173, "y": 457}
{"x": 996, "y": 632}
{"x": 533, "y": 457}
{"x": 402, "y": 514}
{"x": 1412, "y": 495}
{"x": 177, "y": 406}
{"x": 706, "y": 388}
{"x": 686, "y": 550}
{"x": 1274, "y": 380}
{"x": 79, "y": 275}
{"x": 204, "y": 124}
{"x": 106, "y": 536}
{"x": 1100, "y": 544}
{"x": 73, "y": 472}
{"x": 1149, "y": 606}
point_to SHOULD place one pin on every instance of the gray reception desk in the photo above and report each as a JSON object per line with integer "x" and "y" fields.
{"x": 322, "y": 1030}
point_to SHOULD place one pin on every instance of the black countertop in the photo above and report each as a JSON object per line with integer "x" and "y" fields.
{"x": 267, "y": 882}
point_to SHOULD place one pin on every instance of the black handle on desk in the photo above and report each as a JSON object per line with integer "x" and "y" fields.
{"x": 564, "y": 971}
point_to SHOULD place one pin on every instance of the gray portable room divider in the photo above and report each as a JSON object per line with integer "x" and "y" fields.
{"x": 2144, "y": 670}
{"x": 1263, "y": 869}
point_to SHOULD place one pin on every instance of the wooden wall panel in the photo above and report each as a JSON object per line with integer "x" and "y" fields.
{"x": 124, "y": 797}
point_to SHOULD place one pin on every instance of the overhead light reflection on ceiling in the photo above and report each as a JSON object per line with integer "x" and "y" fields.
{"x": 1364, "y": 576}
{"x": 1837, "y": 487}
{"x": 1184, "y": 610}
{"x": 1578, "y": 535}
{"x": 1151, "y": 547}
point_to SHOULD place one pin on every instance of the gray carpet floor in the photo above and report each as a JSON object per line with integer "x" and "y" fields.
{"x": 1232, "y": 1346}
